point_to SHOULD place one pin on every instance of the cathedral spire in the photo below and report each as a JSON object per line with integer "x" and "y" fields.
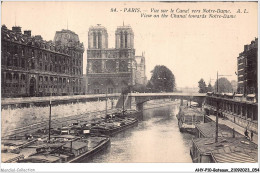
{"x": 15, "y": 19}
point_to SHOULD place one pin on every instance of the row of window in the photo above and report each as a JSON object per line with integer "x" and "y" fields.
{"x": 98, "y": 54}
{"x": 15, "y": 62}
{"x": 9, "y": 85}
{"x": 60, "y": 69}
{"x": 15, "y": 78}
{"x": 98, "y": 91}
{"x": 15, "y": 49}
{"x": 59, "y": 80}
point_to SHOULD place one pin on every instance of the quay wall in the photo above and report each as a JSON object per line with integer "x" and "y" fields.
{"x": 13, "y": 118}
{"x": 241, "y": 121}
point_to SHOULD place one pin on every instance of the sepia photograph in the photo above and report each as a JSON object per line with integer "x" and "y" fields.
{"x": 113, "y": 84}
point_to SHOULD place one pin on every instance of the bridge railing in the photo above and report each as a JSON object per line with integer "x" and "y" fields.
{"x": 6, "y": 101}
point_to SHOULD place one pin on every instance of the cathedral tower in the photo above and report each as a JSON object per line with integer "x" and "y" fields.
{"x": 124, "y": 37}
{"x": 97, "y": 37}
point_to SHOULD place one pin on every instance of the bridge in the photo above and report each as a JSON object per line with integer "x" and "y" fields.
{"x": 130, "y": 99}
{"x": 138, "y": 99}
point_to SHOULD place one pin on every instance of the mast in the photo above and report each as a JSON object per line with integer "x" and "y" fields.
{"x": 50, "y": 122}
{"x": 123, "y": 104}
{"x": 106, "y": 101}
{"x": 216, "y": 137}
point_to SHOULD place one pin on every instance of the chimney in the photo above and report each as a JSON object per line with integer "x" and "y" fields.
{"x": 38, "y": 37}
{"x": 245, "y": 47}
{"x": 28, "y": 33}
{"x": 16, "y": 29}
{"x": 4, "y": 27}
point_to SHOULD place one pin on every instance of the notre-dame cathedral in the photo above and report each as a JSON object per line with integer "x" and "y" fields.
{"x": 112, "y": 69}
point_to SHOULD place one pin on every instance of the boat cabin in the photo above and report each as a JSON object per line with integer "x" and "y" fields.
{"x": 226, "y": 150}
{"x": 76, "y": 147}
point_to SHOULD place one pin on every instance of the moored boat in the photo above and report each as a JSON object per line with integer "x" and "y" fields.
{"x": 113, "y": 126}
{"x": 64, "y": 149}
{"x": 187, "y": 118}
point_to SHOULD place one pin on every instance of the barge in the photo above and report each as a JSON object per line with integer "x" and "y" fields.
{"x": 70, "y": 150}
{"x": 112, "y": 127}
{"x": 188, "y": 117}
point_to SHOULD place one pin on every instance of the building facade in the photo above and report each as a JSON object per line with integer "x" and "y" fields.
{"x": 247, "y": 69}
{"x": 31, "y": 66}
{"x": 140, "y": 70}
{"x": 110, "y": 70}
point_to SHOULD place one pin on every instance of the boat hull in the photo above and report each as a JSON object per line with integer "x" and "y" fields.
{"x": 86, "y": 156}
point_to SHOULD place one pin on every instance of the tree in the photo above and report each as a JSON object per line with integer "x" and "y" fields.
{"x": 224, "y": 86}
{"x": 209, "y": 88}
{"x": 162, "y": 80}
{"x": 202, "y": 86}
{"x": 234, "y": 85}
{"x": 139, "y": 88}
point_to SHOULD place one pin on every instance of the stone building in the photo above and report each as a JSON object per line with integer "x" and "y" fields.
{"x": 247, "y": 69}
{"x": 110, "y": 69}
{"x": 140, "y": 70}
{"x": 31, "y": 66}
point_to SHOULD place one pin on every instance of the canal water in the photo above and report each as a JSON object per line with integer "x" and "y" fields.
{"x": 155, "y": 139}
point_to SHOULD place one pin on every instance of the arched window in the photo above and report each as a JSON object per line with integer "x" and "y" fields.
{"x": 23, "y": 63}
{"x": 33, "y": 64}
{"x": 9, "y": 77}
{"x": 22, "y": 77}
{"x": 96, "y": 68}
{"x": 121, "y": 39}
{"x": 125, "y": 39}
{"x": 40, "y": 78}
{"x": 15, "y": 49}
{"x": 15, "y": 60}
{"x": 123, "y": 66}
{"x": 9, "y": 61}
{"x": 99, "y": 40}
{"x": 94, "y": 40}
{"x": 16, "y": 77}
{"x": 22, "y": 51}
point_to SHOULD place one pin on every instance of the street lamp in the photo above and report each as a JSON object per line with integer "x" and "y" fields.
{"x": 106, "y": 99}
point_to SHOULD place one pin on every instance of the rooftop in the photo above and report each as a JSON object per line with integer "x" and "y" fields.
{"x": 228, "y": 146}
{"x": 37, "y": 41}
{"x": 209, "y": 130}
{"x": 76, "y": 145}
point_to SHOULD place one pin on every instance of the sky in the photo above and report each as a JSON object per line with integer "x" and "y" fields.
{"x": 191, "y": 48}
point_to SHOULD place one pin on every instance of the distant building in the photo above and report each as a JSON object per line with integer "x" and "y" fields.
{"x": 31, "y": 66}
{"x": 110, "y": 69}
{"x": 140, "y": 70}
{"x": 247, "y": 69}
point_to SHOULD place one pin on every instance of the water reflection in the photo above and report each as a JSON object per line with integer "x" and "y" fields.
{"x": 155, "y": 139}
